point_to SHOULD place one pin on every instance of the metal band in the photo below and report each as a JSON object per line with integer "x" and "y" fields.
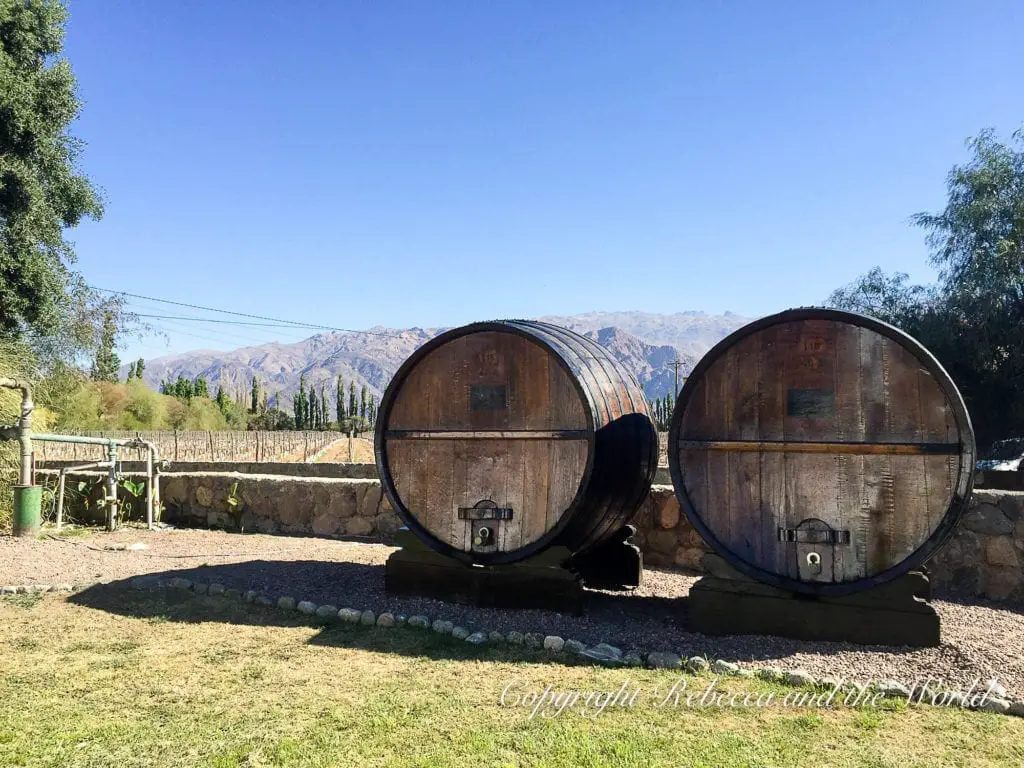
{"x": 485, "y": 513}
{"x": 500, "y": 434}
{"x": 810, "y": 536}
{"x": 783, "y": 446}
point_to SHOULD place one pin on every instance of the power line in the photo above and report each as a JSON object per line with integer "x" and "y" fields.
{"x": 228, "y": 322}
{"x": 292, "y": 323}
{"x": 221, "y": 337}
{"x": 151, "y": 313}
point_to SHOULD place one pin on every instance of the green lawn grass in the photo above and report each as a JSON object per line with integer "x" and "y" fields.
{"x": 111, "y": 677}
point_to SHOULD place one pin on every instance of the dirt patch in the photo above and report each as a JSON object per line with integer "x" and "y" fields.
{"x": 337, "y": 453}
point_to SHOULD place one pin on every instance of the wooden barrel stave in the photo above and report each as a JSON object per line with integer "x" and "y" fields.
{"x": 818, "y": 414}
{"x": 622, "y": 444}
{"x": 625, "y": 442}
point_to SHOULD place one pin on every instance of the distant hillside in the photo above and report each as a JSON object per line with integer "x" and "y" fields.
{"x": 645, "y": 343}
{"x": 693, "y": 333}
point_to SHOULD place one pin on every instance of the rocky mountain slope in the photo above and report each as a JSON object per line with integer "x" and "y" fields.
{"x": 645, "y": 343}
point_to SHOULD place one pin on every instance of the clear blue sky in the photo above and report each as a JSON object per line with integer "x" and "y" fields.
{"x": 429, "y": 163}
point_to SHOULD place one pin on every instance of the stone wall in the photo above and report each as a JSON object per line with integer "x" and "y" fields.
{"x": 279, "y": 504}
{"x": 984, "y": 557}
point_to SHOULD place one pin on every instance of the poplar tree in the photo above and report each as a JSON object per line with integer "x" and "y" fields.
{"x": 222, "y": 399}
{"x": 324, "y": 407}
{"x": 339, "y": 403}
{"x": 107, "y": 363}
{"x": 301, "y": 417}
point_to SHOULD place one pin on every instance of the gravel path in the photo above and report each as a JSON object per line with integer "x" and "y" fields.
{"x": 980, "y": 640}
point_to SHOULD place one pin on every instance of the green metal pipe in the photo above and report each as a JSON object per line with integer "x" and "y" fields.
{"x": 24, "y": 426}
{"x": 28, "y": 505}
{"x": 80, "y": 439}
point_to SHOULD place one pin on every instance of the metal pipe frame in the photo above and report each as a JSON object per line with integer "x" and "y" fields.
{"x": 112, "y": 444}
{"x": 24, "y": 426}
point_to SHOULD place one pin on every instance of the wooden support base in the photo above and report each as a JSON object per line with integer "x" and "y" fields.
{"x": 540, "y": 582}
{"x": 552, "y": 580}
{"x": 726, "y": 602}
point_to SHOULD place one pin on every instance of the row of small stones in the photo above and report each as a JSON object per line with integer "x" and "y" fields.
{"x": 602, "y": 653}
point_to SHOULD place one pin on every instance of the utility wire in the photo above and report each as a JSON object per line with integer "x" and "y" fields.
{"x": 228, "y": 322}
{"x": 151, "y": 313}
{"x": 242, "y": 314}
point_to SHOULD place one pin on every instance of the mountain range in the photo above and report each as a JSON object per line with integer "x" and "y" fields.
{"x": 645, "y": 343}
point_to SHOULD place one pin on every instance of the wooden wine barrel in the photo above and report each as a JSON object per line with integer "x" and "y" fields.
{"x": 499, "y": 439}
{"x": 821, "y": 451}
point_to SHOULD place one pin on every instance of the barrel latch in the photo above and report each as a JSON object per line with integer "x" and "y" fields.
{"x": 485, "y": 518}
{"x": 814, "y": 542}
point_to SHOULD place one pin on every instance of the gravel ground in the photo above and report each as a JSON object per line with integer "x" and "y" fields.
{"x": 980, "y": 640}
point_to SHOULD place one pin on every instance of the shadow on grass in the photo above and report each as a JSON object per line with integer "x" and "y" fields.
{"x": 623, "y": 619}
{"x": 182, "y": 605}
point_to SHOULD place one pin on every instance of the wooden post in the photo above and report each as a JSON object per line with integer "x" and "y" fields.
{"x": 350, "y": 458}
{"x": 175, "y": 445}
{"x": 210, "y": 435}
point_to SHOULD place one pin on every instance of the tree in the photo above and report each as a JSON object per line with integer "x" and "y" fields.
{"x": 326, "y": 416}
{"x": 201, "y": 388}
{"x": 300, "y": 405}
{"x": 339, "y": 402}
{"x": 222, "y": 399}
{"x": 140, "y": 366}
{"x": 363, "y": 402}
{"x": 254, "y": 401}
{"x": 972, "y": 320}
{"x": 314, "y": 415}
{"x": 271, "y": 419}
{"x": 41, "y": 192}
{"x": 106, "y": 364}
{"x": 131, "y": 371}
{"x": 183, "y": 389}
{"x": 886, "y": 297}
{"x": 353, "y": 408}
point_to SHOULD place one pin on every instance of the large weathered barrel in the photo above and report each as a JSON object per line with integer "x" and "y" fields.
{"x": 499, "y": 439}
{"x": 821, "y": 451}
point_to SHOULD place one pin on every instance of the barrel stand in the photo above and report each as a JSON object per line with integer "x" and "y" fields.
{"x": 552, "y": 580}
{"x": 726, "y": 602}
